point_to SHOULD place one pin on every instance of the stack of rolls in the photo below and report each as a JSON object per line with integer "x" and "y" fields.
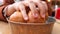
{"x": 39, "y": 10}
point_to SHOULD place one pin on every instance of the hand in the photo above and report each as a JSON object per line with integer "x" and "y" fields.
{"x": 17, "y": 6}
{"x": 42, "y": 6}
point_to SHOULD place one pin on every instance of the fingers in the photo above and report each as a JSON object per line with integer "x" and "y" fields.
{"x": 41, "y": 8}
{"x": 25, "y": 3}
{"x": 45, "y": 5}
{"x": 15, "y": 5}
{"x": 23, "y": 11}
{"x": 33, "y": 9}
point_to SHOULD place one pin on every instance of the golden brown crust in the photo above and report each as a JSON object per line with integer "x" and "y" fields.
{"x": 16, "y": 17}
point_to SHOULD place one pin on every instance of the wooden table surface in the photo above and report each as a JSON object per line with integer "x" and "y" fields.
{"x": 5, "y": 29}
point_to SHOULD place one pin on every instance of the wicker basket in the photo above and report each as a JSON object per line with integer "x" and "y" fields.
{"x": 32, "y": 28}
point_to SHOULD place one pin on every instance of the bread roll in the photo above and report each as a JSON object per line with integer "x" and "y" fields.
{"x": 16, "y": 17}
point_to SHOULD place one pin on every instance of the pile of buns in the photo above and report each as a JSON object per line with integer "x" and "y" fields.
{"x": 18, "y": 17}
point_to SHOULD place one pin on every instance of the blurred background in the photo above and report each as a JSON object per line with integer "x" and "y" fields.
{"x": 53, "y": 5}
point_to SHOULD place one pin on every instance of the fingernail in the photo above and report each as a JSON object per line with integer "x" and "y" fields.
{"x": 43, "y": 15}
{"x": 35, "y": 15}
{"x": 26, "y": 18}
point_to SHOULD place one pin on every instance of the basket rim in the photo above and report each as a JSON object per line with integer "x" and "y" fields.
{"x": 29, "y": 23}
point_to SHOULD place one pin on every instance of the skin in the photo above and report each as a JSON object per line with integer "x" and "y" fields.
{"x": 32, "y": 13}
{"x": 41, "y": 5}
{"x": 21, "y": 6}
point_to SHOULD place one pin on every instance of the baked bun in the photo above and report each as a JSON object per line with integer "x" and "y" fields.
{"x": 16, "y": 17}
